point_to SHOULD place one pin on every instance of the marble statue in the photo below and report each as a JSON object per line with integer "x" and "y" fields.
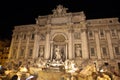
{"x": 57, "y": 53}
{"x": 78, "y": 51}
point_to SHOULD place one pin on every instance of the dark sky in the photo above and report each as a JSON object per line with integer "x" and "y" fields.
{"x": 24, "y": 12}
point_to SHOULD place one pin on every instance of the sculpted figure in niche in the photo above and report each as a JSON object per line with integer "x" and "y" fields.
{"x": 57, "y": 53}
{"x": 41, "y": 51}
{"x": 78, "y": 50}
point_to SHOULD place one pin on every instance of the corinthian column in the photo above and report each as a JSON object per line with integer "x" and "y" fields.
{"x": 70, "y": 42}
{"x": 26, "y": 50}
{"x": 97, "y": 44}
{"x": 47, "y": 44}
{"x": 36, "y": 45}
{"x": 19, "y": 44}
{"x": 109, "y": 45}
{"x": 11, "y": 47}
{"x": 84, "y": 44}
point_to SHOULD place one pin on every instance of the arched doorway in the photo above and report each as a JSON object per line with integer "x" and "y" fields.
{"x": 59, "y": 47}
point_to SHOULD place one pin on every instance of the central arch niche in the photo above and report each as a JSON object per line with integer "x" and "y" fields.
{"x": 59, "y": 44}
{"x": 59, "y": 38}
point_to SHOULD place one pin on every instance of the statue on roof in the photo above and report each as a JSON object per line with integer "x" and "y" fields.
{"x": 60, "y": 11}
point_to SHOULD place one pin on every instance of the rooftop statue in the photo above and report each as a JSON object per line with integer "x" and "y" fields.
{"x": 60, "y": 11}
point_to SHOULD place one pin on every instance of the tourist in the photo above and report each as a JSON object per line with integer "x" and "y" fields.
{"x": 15, "y": 77}
{"x": 103, "y": 76}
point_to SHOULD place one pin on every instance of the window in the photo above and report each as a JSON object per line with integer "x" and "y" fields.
{"x": 92, "y": 51}
{"x": 113, "y": 33}
{"x": 90, "y": 34}
{"x": 22, "y": 52}
{"x": 32, "y": 37}
{"x": 117, "y": 50}
{"x": 24, "y": 37}
{"x": 30, "y": 52}
{"x": 102, "y": 33}
{"x": 104, "y": 50}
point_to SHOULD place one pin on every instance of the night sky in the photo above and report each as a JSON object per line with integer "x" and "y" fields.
{"x": 24, "y": 12}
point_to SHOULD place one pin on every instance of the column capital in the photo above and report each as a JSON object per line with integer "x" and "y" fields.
{"x": 96, "y": 31}
{"x": 107, "y": 30}
{"x": 83, "y": 30}
{"x": 71, "y": 30}
{"x": 48, "y": 31}
{"x": 51, "y": 42}
{"x": 70, "y": 27}
{"x": 36, "y": 32}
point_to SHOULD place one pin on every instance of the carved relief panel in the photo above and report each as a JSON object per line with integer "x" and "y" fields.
{"x": 42, "y": 37}
{"x": 77, "y": 35}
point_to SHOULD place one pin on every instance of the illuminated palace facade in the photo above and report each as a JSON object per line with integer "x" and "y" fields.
{"x": 78, "y": 39}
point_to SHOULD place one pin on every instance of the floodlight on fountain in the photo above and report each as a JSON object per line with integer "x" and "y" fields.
{"x": 66, "y": 67}
{"x": 71, "y": 71}
{"x": 55, "y": 64}
{"x": 101, "y": 70}
{"x": 29, "y": 78}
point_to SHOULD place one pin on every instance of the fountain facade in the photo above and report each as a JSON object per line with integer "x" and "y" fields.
{"x": 61, "y": 41}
